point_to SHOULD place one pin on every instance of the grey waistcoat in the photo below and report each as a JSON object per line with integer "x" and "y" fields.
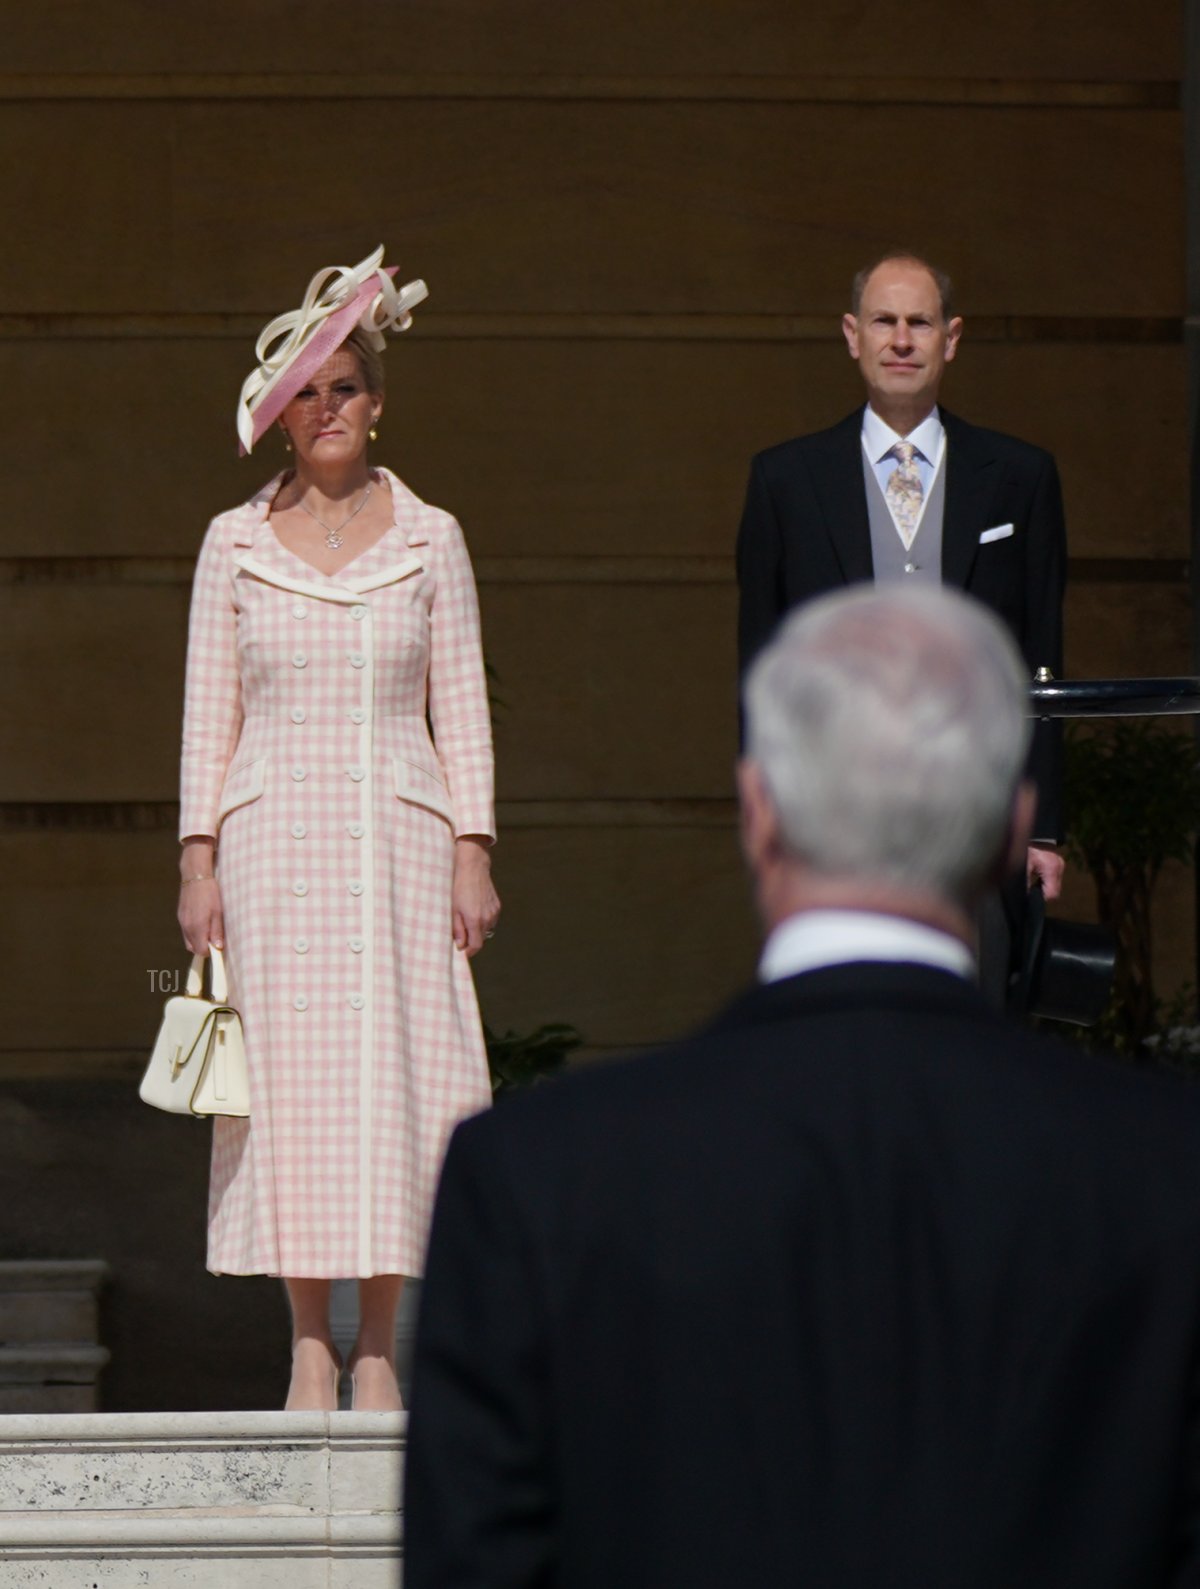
{"x": 887, "y": 549}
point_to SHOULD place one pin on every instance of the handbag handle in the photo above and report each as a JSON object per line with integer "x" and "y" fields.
{"x": 195, "y": 976}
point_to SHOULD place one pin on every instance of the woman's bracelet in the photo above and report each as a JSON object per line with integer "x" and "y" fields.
{"x": 200, "y": 877}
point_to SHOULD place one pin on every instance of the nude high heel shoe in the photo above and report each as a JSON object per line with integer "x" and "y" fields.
{"x": 381, "y": 1395}
{"x": 298, "y": 1401}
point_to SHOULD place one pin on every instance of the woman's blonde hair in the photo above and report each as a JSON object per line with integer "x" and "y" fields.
{"x": 370, "y": 361}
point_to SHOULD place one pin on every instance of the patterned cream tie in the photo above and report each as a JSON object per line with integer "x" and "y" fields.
{"x": 904, "y": 492}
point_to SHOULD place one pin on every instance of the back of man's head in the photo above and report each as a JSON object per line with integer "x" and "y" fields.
{"x": 889, "y": 728}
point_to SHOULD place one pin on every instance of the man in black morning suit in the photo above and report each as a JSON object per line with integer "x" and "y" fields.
{"x": 817, "y": 517}
{"x": 861, "y": 1287}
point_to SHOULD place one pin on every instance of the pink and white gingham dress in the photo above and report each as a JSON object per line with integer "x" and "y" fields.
{"x": 307, "y": 750}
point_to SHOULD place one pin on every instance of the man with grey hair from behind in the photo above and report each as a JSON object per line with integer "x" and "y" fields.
{"x": 888, "y": 734}
{"x": 860, "y": 1287}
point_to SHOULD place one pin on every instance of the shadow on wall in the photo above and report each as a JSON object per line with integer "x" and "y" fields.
{"x": 95, "y": 1174}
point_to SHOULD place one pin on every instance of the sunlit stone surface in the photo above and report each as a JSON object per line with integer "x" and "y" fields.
{"x": 116, "y": 1501}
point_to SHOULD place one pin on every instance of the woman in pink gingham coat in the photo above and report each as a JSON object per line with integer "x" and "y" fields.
{"x": 341, "y": 851}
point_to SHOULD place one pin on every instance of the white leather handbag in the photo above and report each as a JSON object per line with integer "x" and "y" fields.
{"x": 198, "y": 1064}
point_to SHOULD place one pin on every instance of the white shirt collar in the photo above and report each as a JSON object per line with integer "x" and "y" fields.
{"x": 815, "y": 938}
{"x": 879, "y": 438}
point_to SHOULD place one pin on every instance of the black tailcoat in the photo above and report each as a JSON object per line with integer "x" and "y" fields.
{"x": 805, "y": 531}
{"x": 860, "y": 1287}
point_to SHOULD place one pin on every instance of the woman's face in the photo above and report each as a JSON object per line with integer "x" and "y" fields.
{"x": 327, "y": 421}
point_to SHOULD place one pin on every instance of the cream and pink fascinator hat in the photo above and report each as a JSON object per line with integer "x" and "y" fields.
{"x": 293, "y": 347}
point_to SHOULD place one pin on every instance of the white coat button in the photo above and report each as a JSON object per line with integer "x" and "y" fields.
{"x": 300, "y": 1002}
{"x": 356, "y": 773}
{"x": 299, "y": 610}
{"x": 299, "y": 660}
{"x": 298, "y": 830}
{"x": 299, "y": 889}
{"x": 355, "y": 886}
{"x": 356, "y": 659}
{"x": 299, "y": 774}
{"x": 356, "y": 945}
{"x": 358, "y": 612}
{"x": 301, "y": 946}
{"x": 356, "y": 830}
{"x": 357, "y": 1001}
{"x": 358, "y": 715}
{"x": 299, "y": 715}
{"x": 910, "y": 568}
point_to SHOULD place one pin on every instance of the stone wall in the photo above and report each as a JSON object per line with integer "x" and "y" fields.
{"x": 638, "y": 225}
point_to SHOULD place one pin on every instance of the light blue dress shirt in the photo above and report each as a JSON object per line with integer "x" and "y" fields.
{"x": 878, "y": 439}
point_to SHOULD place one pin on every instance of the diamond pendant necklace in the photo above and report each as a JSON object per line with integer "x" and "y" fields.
{"x": 333, "y": 532}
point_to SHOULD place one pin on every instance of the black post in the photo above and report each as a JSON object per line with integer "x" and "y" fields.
{"x": 1191, "y": 332}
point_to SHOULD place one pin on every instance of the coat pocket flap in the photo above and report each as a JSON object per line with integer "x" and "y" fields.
{"x": 242, "y": 785}
{"x": 423, "y": 786}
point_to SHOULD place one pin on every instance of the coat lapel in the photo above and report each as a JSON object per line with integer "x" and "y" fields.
{"x": 252, "y": 515}
{"x": 388, "y": 561}
{"x": 361, "y": 583}
{"x": 837, "y": 473}
{"x": 410, "y": 511}
{"x": 971, "y": 474}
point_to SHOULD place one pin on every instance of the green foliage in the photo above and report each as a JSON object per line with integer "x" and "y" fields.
{"x": 515, "y": 1059}
{"x": 1133, "y": 803}
{"x": 522, "y": 1060}
{"x": 1133, "y": 794}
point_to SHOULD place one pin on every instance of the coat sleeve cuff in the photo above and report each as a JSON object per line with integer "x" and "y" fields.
{"x": 196, "y": 825}
{"x": 475, "y": 824}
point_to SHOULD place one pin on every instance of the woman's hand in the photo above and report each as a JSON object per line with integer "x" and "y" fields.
{"x": 475, "y": 903}
{"x": 199, "y": 912}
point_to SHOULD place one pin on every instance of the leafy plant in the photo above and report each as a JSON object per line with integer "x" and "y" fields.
{"x": 522, "y": 1060}
{"x": 1133, "y": 804}
{"x": 515, "y": 1059}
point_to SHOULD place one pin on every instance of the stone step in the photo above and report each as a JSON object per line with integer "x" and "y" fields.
{"x": 49, "y": 1358}
{"x": 271, "y": 1500}
{"x": 49, "y": 1299}
{"x": 50, "y": 1379}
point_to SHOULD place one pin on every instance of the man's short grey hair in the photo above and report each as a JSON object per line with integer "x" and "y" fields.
{"x": 890, "y": 728}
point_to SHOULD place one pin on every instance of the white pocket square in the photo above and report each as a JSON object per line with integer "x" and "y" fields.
{"x": 1000, "y": 533}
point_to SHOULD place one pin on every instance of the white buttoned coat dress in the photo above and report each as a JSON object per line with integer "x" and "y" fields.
{"x": 307, "y": 754}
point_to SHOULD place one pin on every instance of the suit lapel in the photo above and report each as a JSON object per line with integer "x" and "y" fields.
{"x": 837, "y": 474}
{"x": 971, "y": 474}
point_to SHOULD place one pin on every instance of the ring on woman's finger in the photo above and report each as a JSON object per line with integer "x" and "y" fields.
{"x": 490, "y": 933}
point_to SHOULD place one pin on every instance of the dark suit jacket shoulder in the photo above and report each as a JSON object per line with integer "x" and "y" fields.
{"x": 838, "y": 442}
{"x": 855, "y": 1037}
{"x": 858, "y": 1286}
{"x": 805, "y": 530}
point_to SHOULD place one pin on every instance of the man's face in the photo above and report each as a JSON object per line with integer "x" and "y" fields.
{"x": 899, "y": 337}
